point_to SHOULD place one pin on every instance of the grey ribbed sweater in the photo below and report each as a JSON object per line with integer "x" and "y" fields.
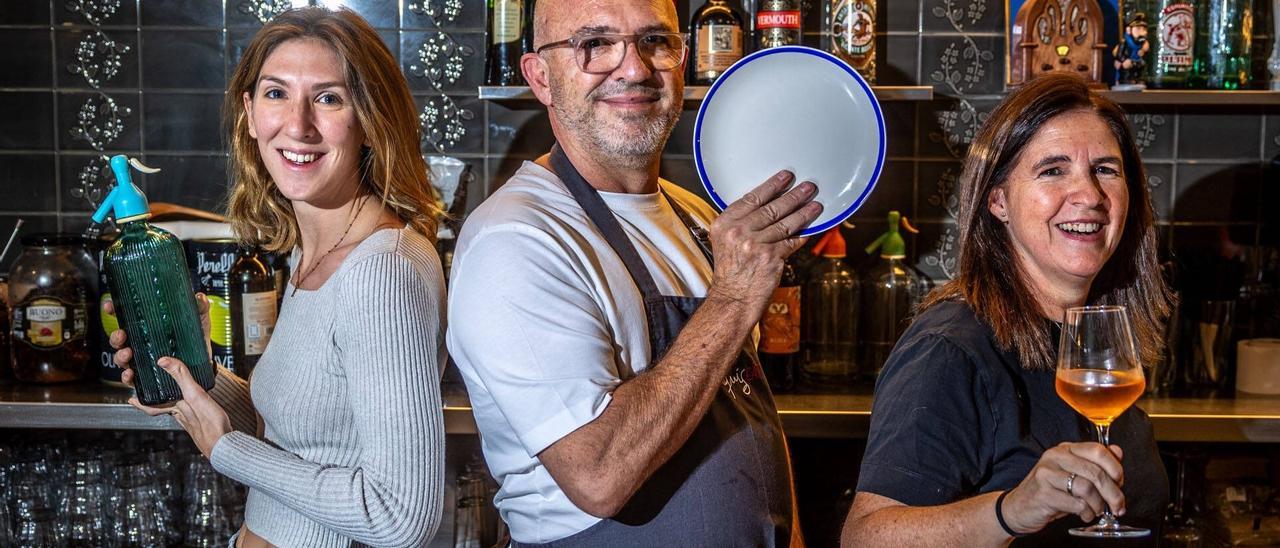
{"x": 349, "y": 394}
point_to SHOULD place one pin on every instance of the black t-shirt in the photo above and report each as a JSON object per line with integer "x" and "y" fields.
{"x": 954, "y": 417}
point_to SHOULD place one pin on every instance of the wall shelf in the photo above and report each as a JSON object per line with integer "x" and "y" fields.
{"x": 92, "y": 405}
{"x": 96, "y": 406}
{"x": 695, "y": 94}
{"x": 1194, "y": 97}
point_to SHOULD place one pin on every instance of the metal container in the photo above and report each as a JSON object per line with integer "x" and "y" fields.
{"x": 100, "y": 344}
{"x": 210, "y": 262}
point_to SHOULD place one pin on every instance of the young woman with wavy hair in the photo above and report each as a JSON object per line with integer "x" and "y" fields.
{"x": 970, "y": 444}
{"x": 340, "y": 436}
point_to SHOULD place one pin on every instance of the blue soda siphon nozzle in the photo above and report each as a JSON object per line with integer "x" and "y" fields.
{"x": 126, "y": 198}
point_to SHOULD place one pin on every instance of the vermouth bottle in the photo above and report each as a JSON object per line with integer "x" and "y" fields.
{"x": 777, "y": 23}
{"x": 151, "y": 290}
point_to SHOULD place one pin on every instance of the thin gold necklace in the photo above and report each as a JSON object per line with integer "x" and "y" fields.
{"x": 302, "y": 260}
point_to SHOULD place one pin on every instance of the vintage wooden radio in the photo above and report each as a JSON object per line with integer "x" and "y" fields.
{"x": 1057, "y": 36}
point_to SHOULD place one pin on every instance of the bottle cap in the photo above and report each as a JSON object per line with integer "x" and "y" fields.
{"x": 891, "y": 244}
{"x": 831, "y": 244}
{"x": 126, "y": 198}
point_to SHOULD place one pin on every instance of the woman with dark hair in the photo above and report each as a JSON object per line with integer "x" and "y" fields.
{"x": 340, "y": 437}
{"x": 970, "y": 444}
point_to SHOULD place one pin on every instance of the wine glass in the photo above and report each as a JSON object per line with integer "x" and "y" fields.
{"x": 1099, "y": 376}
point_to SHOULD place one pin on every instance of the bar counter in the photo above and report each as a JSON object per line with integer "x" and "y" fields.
{"x": 93, "y": 405}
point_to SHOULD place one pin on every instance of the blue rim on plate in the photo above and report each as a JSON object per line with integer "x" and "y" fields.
{"x": 875, "y": 105}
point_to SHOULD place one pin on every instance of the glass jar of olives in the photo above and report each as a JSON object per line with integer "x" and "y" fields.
{"x": 51, "y": 287}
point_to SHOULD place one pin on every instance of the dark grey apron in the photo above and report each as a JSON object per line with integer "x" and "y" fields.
{"x": 729, "y": 485}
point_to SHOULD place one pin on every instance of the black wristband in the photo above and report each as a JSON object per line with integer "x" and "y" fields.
{"x": 1000, "y": 515}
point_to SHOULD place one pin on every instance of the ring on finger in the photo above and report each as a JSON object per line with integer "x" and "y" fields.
{"x": 1071, "y": 480}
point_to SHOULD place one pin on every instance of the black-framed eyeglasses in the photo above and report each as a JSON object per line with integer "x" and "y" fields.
{"x": 603, "y": 53}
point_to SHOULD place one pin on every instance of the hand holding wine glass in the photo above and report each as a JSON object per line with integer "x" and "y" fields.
{"x": 1100, "y": 377}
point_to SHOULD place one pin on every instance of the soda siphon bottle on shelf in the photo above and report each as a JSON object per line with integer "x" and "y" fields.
{"x": 892, "y": 290}
{"x": 830, "y": 318}
{"x": 151, "y": 289}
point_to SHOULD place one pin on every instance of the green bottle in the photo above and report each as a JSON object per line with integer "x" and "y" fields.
{"x": 1224, "y": 37}
{"x": 151, "y": 288}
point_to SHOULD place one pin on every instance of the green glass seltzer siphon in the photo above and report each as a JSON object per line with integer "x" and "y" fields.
{"x": 151, "y": 289}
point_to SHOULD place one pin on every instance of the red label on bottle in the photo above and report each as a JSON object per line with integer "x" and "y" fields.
{"x": 780, "y": 327}
{"x": 778, "y": 20}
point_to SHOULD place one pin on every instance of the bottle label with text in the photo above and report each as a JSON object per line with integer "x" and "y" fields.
{"x": 853, "y": 27}
{"x": 259, "y": 321}
{"x": 780, "y": 327}
{"x": 1177, "y": 34}
{"x": 719, "y": 47}
{"x": 46, "y": 322}
{"x": 507, "y": 21}
{"x": 778, "y": 20}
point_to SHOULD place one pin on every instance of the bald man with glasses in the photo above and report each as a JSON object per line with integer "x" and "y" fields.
{"x": 604, "y": 319}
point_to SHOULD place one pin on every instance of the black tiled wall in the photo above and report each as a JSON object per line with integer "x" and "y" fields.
{"x": 1207, "y": 165}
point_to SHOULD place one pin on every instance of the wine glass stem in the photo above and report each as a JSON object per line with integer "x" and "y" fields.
{"x": 1104, "y": 437}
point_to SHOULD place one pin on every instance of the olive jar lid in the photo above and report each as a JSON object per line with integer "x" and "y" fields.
{"x": 50, "y": 239}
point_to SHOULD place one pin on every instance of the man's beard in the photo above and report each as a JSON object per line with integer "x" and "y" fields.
{"x": 617, "y": 147}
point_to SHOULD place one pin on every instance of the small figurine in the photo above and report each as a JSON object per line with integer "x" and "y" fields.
{"x": 1130, "y": 55}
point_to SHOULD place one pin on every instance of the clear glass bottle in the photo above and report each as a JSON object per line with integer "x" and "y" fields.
{"x": 830, "y": 310}
{"x": 892, "y": 291}
{"x": 151, "y": 290}
{"x": 849, "y": 32}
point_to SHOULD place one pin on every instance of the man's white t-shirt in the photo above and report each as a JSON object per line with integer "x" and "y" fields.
{"x": 545, "y": 322}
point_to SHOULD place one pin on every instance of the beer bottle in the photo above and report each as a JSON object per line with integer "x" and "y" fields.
{"x": 253, "y": 309}
{"x": 780, "y": 332}
{"x": 1173, "y": 43}
{"x": 778, "y": 23}
{"x": 849, "y": 32}
{"x": 717, "y": 31}
{"x": 506, "y": 36}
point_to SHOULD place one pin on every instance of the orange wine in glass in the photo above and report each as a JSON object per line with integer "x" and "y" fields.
{"x": 1099, "y": 376}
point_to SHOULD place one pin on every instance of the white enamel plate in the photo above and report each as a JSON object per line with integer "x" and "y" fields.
{"x": 794, "y": 108}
